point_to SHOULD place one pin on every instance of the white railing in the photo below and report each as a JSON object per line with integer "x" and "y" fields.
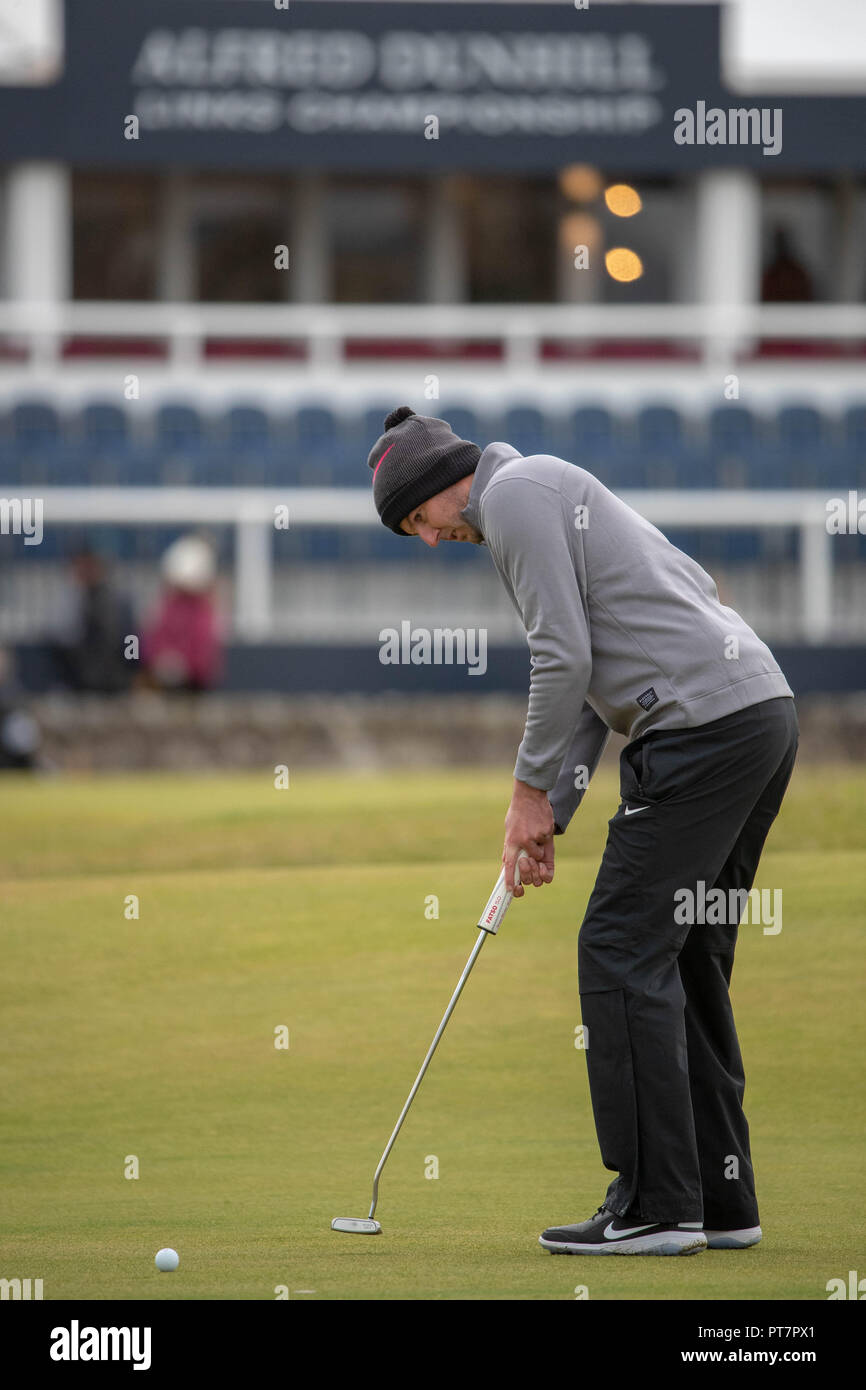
{"x": 719, "y": 332}
{"x": 253, "y": 511}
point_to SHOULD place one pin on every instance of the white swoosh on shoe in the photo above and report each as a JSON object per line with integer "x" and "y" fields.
{"x": 611, "y": 1234}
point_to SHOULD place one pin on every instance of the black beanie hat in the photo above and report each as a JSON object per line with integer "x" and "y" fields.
{"x": 415, "y": 458}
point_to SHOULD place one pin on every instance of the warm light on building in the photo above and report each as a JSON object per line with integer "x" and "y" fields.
{"x": 623, "y": 264}
{"x": 580, "y": 183}
{"x": 623, "y": 200}
{"x": 579, "y": 229}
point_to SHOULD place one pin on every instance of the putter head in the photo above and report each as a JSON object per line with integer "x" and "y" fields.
{"x": 356, "y": 1225}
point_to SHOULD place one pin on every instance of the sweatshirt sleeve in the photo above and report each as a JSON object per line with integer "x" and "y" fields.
{"x": 525, "y": 527}
{"x": 581, "y": 759}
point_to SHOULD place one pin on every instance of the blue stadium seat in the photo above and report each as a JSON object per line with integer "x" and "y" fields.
{"x": 54, "y": 544}
{"x": 182, "y": 469}
{"x": 854, "y": 424}
{"x": 800, "y": 428}
{"x": 732, "y": 427}
{"x": 247, "y": 427}
{"x": 179, "y": 427}
{"x": 654, "y": 457}
{"x": 827, "y": 467}
{"x": 711, "y": 547}
{"x": 97, "y": 443}
{"x": 78, "y": 466}
{"x": 35, "y": 424}
{"x": 280, "y": 459}
{"x": 386, "y": 548}
{"x": 664, "y": 470}
{"x": 104, "y": 425}
{"x": 179, "y": 447}
{"x": 218, "y": 467}
{"x": 691, "y": 541}
{"x": 734, "y": 446}
{"x": 317, "y": 443}
{"x": 281, "y": 466}
{"x": 191, "y": 454}
{"x": 659, "y": 429}
{"x": 10, "y": 465}
{"x": 354, "y": 544}
{"x": 591, "y": 431}
{"x": 742, "y": 546}
{"x": 793, "y": 458}
{"x": 241, "y": 447}
{"x": 739, "y": 455}
{"x": 850, "y": 465}
{"x": 840, "y": 468}
{"x": 243, "y": 468}
{"x": 771, "y": 467}
{"x": 528, "y": 429}
{"x": 140, "y": 466}
{"x": 349, "y": 451}
{"x": 726, "y": 546}
{"x": 463, "y": 421}
{"x": 320, "y": 544}
{"x": 628, "y": 469}
{"x": 696, "y": 468}
{"x": 589, "y": 439}
{"x": 37, "y": 441}
{"x": 372, "y": 423}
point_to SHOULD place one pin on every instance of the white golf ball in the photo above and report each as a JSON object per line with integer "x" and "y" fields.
{"x": 167, "y": 1260}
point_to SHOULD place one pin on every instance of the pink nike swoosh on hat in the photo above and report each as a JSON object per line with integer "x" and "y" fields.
{"x": 382, "y": 459}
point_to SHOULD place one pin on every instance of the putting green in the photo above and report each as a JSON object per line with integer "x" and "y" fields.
{"x": 149, "y": 1042}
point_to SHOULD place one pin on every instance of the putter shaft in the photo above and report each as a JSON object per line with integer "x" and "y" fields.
{"x": 424, "y": 1065}
{"x": 497, "y": 906}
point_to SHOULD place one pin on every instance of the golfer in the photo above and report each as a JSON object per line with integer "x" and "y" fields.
{"x": 626, "y": 632}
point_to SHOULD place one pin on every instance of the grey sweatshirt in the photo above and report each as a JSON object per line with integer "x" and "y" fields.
{"x": 625, "y": 631}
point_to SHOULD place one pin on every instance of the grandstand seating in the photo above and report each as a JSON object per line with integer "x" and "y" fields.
{"x": 658, "y": 446}
{"x": 243, "y": 445}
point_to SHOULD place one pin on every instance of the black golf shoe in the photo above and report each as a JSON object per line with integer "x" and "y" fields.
{"x": 608, "y": 1234}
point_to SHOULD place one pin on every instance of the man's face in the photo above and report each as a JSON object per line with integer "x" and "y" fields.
{"x": 439, "y": 519}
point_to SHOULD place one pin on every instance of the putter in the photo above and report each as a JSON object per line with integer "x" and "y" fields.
{"x": 488, "y": 925}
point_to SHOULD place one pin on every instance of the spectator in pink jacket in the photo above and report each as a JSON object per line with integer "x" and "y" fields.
{"x": 182, "y": 646}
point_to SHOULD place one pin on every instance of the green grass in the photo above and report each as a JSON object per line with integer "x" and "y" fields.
{"x": 305, "y": 908}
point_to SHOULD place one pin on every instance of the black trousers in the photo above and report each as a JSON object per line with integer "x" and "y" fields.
{"x": 665, "y": 1070}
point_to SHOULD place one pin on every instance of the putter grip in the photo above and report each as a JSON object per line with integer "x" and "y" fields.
{"x": 498, "y": 903}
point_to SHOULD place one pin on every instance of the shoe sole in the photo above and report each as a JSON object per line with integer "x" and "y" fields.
{"x": 663, "y": 1243}
{"x": 733, "y": 1240}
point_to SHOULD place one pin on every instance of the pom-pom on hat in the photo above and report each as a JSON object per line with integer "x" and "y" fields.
{"x": 415, "y": 458}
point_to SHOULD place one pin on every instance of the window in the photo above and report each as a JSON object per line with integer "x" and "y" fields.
{"x": 376, "y": 232}
{"x": 114, "y": 236}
